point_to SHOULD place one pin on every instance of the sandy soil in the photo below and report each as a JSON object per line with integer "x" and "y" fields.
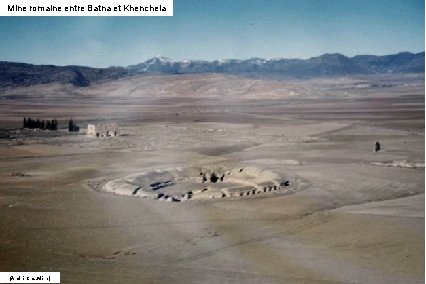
{"x": 350, "y": 215}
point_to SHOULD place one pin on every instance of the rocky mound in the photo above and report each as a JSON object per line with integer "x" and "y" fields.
{"x": 179, "y": 184}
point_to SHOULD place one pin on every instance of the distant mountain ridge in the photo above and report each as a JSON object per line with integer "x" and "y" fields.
{"x": 22, "y": 74}
{"x": 325, "y": 65}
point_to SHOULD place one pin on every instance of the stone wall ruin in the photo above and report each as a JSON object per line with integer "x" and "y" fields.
{"x": 102, "y": 130}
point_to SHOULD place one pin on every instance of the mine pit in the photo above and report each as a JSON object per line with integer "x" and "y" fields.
{"x": 179, "y": 185}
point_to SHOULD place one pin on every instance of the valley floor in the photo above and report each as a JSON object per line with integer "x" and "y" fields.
{"x": 357, "y": 216}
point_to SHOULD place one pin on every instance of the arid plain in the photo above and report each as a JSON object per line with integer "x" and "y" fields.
{"x": 348, "y": 215}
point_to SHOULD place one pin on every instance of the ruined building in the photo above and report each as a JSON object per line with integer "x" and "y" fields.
{"x": 102, "y": 130}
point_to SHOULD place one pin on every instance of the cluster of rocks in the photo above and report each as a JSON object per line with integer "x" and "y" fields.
{"x": 180, "y": 198}
{"x": 213, "y": 177}
{"x": 266, "y": 188}
{"x": 224, "y": 192}
{"x": 159, "y": 185}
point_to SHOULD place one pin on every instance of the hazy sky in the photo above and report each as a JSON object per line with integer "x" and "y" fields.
{"x": 215, "y": 29}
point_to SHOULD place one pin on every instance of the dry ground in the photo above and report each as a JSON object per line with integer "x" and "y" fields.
{"x": 356, "y": 216}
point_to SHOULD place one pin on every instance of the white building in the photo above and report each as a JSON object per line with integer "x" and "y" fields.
{"x": 102, "y": 130}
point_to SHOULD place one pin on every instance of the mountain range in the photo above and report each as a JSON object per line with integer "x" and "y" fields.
{"x": 22, "y": 74}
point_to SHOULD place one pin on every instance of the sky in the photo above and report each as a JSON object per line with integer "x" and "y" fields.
{"x": 220, "y": 29}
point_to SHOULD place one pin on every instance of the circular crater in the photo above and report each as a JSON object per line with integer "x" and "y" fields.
{"x": 178, "y": 185}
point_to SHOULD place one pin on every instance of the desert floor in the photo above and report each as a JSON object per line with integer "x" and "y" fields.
{"x": 352, "y": 216}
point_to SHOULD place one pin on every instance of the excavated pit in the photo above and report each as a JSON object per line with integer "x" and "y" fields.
{"x": 177, "y": 185}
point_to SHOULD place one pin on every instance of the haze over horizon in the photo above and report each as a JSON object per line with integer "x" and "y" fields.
{"x": 202, "y": 30}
